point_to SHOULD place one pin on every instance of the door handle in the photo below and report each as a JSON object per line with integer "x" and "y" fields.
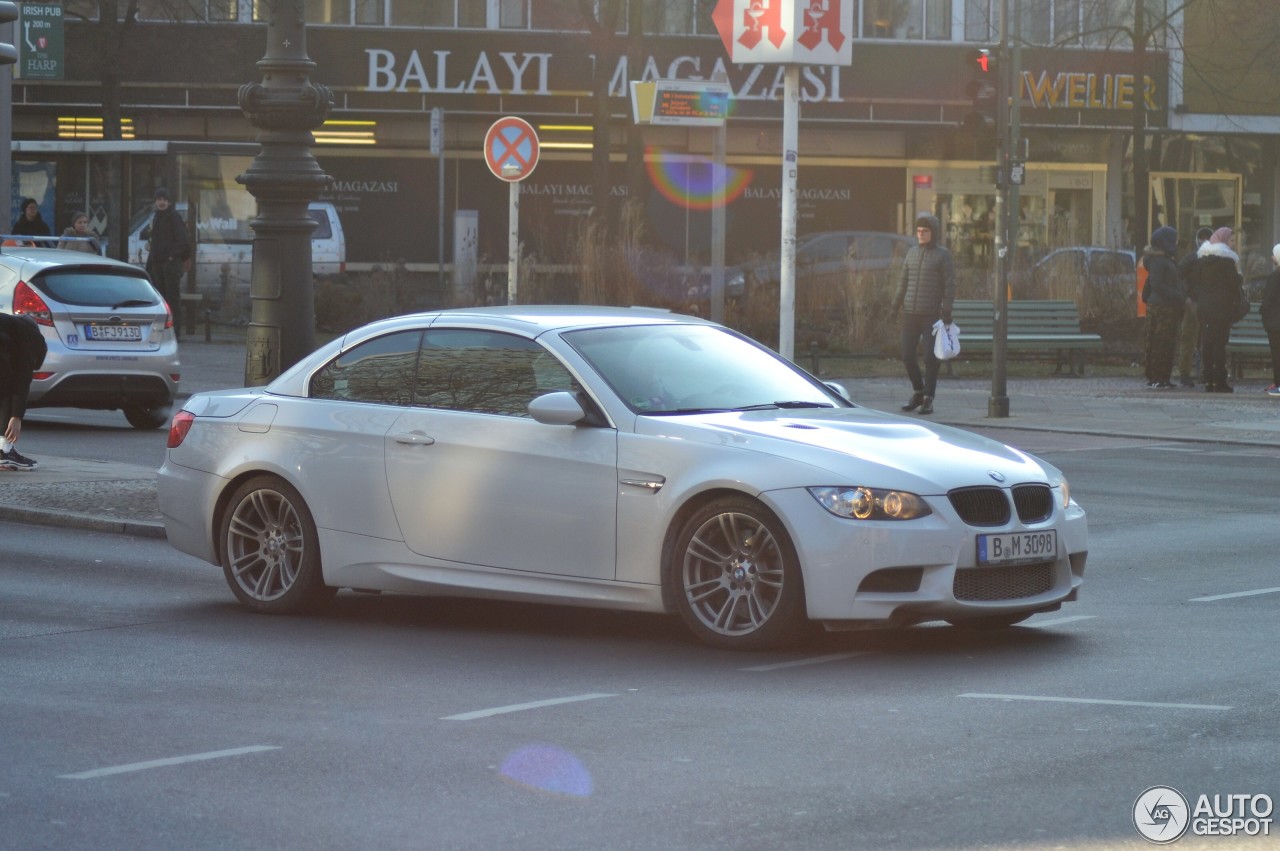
{"x": 414, "y": 438}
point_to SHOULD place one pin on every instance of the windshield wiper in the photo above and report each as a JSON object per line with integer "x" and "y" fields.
{"x": 133, "y": 302}
{"x": 765, "y": 406}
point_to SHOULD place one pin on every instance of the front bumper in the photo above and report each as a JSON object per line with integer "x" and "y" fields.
{"x": 865, "y": 573}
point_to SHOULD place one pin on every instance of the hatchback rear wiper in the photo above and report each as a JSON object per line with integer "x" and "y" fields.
{"x": 133, "y": 302}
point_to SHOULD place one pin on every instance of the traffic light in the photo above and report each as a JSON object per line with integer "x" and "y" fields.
{"x": 981, "y": 91}
{"x": 8, "y": 14}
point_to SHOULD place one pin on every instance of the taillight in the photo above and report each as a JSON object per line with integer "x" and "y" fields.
{"x": 168, "y": 316}
{"x": 178, "y": 428}
{"x": 28, "y": 301}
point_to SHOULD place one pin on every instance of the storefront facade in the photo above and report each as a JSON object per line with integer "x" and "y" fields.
{"x": 879, "y": 140}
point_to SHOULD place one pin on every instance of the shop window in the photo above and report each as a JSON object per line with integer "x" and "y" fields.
{"x": 906, "y": 19}
{"x": 471, "y": 13}
{"x": 555, "y": 15}
{"x": 86, "y": 10}
{"x": 371, "y": 12}
{"x": 166, "y": 10}
{"x": 219, "y": 10}
{"x": 513, "y": 14}
{"x": 415, "y": 13}
{"x": 668, "y": 18}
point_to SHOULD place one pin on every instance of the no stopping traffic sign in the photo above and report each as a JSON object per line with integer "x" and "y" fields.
{"x": 511, "y": 148}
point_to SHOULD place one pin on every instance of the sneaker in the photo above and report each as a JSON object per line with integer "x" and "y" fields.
{"x": 914, "y": 402}
{"x": 1273, "y": 390}
{"x": 926, "y": 406}
{"x": 1162, "y": 385}
{"x": 16, "y": 460}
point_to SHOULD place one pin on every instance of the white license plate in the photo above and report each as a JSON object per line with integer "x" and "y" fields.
{"x": 1018, "y": 547}
{"x": 113, "y": 332}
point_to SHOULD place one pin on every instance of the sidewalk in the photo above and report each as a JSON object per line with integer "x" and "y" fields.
{"x": 115, "y": 497}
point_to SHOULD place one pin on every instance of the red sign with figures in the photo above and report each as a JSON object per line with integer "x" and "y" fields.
{"x": 805, "y": 32}
{"x": 511, "y": 148}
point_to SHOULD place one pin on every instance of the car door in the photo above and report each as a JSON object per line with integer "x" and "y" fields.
{"x": 474, "y": 479}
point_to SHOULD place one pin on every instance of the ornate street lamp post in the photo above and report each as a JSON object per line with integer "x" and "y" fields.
{"x": 286, "y": 106}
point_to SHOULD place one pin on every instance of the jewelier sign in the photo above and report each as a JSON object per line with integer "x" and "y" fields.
{"x": 40, "y": 42}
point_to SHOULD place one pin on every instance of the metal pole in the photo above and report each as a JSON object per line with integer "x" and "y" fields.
{"x": 513, "y": 240}
{"x": 6, "y": 127}
{"x": 437, "y": 121}
{"x": 284, "y": 177}
{"x": 998, "y": 404}
{"x": 719, "y": 175}
{"x": 790, "y": 163}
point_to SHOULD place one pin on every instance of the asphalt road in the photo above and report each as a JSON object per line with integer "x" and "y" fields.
{"x": 141, "y": 708}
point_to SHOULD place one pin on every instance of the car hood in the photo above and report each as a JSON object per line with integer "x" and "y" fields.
{"x": 862, "y": 446}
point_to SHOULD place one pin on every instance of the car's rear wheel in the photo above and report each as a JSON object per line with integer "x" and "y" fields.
{"x": 147, "y": 416}
{"x": 989, "y": 621}
{"x": 736, "y": 577}
{"x": 270, "y": 550}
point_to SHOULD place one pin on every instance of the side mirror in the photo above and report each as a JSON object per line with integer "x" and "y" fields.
{"x": 839, "y": 390}
{"x": 559, "y": 408}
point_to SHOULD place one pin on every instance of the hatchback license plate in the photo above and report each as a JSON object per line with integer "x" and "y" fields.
{"x": 113, "y": 332}
{"x": 1018, "y": 547}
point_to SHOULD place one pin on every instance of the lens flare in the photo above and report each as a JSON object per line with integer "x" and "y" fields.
{"x": 691, "y": 182}
{"x": 547, "y": 768}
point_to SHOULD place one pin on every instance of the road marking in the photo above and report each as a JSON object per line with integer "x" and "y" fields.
{"x": 813, "y": 660}
{"x": 1098, "y": 701}
{"x": 1061, "y": 621}
{"x": 1236, "y": 594}
{"x": 161, "y": 763}
{"x": 520, "y": 707}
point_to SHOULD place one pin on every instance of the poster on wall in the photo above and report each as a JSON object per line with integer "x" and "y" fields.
{"x": 32, "y": 180}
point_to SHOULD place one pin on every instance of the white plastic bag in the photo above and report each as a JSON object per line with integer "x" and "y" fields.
{"x": 946, "y": 340}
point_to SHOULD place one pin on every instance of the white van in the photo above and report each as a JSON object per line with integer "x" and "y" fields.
{"x": 228, "y": 241}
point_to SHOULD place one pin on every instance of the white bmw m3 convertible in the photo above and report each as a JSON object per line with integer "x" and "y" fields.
{"x": 620, "y": 458}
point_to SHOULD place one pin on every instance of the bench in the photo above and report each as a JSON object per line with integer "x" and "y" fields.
{"x": 1248, "y": 341}
{"x": 1031, "y": 326}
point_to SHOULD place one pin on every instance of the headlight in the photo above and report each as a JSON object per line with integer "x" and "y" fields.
{"x": 871, "y": 503}
{"x": 1059, "y": 481}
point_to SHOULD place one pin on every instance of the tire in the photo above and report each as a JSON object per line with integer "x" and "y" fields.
{"x": 147, "y": 416}
{"x": 735, "y": 577}
{"x": 270, "y": 550}
{"x": 990, "y": 621}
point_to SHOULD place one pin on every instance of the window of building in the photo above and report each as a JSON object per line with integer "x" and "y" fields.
{"x": 81, "y": 9}
{"x": 224, "y": 10}
{"x": 471, "y": 13}
{"x": 906, "y": 19}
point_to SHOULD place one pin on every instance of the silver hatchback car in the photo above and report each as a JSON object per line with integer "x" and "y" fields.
{"x": 110, "y": 333}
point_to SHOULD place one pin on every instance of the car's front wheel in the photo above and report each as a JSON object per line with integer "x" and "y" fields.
{"x": 270, "y": 550}
{"x": 736, "y": 577}
{"x": 147, "y": 416}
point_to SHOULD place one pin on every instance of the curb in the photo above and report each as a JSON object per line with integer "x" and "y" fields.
{"x": 79, "y": 520}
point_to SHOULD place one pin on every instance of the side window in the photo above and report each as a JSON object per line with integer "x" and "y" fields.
{"x": 485, "y": 372}
{"x": 378, "y": 371}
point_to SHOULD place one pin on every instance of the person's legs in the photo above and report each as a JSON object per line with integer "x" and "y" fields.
{"x": 1273, "y": 337}
{"x": 6, "y": 413}
{"x": 910, "y": 343}
{"x": 1166, "y": 322}
{"x": 1188, "y": 345}
{"x": 1213, "y": 340}
{"x": 168, "y": 280}
{"x": 1148, "y": 344}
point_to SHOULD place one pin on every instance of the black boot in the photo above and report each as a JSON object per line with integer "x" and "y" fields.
{"x": 926, "y": 406}
{"x": 917, "y": 399}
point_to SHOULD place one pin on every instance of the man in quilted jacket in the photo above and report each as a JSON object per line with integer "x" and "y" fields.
{"x": 926, "y": 291}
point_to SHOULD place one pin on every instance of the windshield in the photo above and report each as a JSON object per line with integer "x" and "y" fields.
{"x": 674, "y": 369}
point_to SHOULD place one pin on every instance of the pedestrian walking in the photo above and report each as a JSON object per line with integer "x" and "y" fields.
{"x": 926, "y": 292}
{"x": 1189, "y": 331}
{"x": 1165, "y": 299}
{"x": 78, "y": 237}
{"x": 169, "y": 253}
{"x": 29, "y": 221}
{"x": 22, "y": 351}
{"x": 1218, "y": 270}
{"x": 1270, "y": 312}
